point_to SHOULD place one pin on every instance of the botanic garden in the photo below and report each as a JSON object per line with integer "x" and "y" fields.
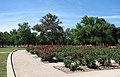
{"x": 93, "y": 44}
{"x": 75, "y": 56}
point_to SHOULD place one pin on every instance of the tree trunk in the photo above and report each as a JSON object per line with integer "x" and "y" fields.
{"x": 17, "y": 45}
{"x": 2, "y": 45}
{"x": 13, "y": 45}
{"x": 27, "y": 45}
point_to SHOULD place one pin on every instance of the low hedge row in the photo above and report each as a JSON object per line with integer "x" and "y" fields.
{"x": 74, "y": 56}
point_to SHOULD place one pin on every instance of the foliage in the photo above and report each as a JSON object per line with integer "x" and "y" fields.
{"x": 15, "y": 38}
{"x": 25, "y": 33}
{"x": 89, "y": 31}
{"x": 95, "y": 31}
{"x": 50, "y": 31}
{"x": 4, "y": 39}
{"x": 74, "y": 56}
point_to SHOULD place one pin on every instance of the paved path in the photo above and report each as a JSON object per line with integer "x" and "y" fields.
{"x": 27, "y": 65}
{"x": 10, "y": 72}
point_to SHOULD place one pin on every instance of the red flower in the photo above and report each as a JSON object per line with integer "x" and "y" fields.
{"x": 109, "y": 62}
{"x": 85, "y": 49}
{"x": 41, "y": 53}
{"x": 46, "y": 56}
{"x": 47, "y": 48}
{"x": 86, "y": 56}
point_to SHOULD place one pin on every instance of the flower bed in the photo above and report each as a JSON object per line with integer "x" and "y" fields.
{"x": 76, "y": 56}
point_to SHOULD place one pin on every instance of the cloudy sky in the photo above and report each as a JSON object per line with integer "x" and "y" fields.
{"x": 69, "y": 12}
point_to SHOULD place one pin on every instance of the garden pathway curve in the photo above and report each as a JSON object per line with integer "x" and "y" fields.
{"x": 27, "y": 65}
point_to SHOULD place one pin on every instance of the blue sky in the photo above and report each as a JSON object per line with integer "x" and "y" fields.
{"x": 69, "y": 12}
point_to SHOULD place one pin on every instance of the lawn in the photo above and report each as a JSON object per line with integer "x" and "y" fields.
{"x": 9, "y": 49}
{"x": 3, "y": 59}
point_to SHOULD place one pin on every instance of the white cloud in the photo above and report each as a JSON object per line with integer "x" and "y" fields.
{"x": 69, "y": 20}
{"x": 32, "y": 16}
{"x": 111, "y": 17}
{"x": 21, "y": 12}
{"x": 106, "y": 17}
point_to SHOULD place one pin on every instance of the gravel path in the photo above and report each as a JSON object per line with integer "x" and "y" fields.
{"x": 27, "y": 65}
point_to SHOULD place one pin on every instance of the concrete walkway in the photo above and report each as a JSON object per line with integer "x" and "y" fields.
{"x": 10, "y": 72}
{"x": 27, "y": 65}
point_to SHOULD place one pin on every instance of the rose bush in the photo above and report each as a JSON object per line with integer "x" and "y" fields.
{"x": 71, "y": 55}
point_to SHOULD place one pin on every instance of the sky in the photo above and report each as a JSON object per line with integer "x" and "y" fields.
{"x": 70, "y": 12}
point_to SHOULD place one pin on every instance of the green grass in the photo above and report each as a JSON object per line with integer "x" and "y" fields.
{"x": 9, "y": 49}
{"x": 3, "y": 59}
{"x": 3, "y": 63}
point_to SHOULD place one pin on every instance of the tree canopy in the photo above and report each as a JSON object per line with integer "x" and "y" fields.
{"x": 90, "y": 30}
{"x": 95, "y": 31}
{"x": 50, "y": 30}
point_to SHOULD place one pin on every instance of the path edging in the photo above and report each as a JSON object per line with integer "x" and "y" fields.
{"x": 10, "y": 67}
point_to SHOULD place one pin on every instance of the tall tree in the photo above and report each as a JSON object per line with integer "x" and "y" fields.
{"x": 15, "y": 37}
{"x": 118, "y": 34}
{"x": 68, "y": 36}
{"x": 4, "y": 39}
{"x": 96, "y": 31}
{"x": 25, "y": 33}
{"x": 50, "y": 30}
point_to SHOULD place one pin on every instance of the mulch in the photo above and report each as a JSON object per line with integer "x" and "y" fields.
{"x": 83, "y": 69}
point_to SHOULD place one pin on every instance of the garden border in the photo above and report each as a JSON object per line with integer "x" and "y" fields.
{"x": 10, "y": 66}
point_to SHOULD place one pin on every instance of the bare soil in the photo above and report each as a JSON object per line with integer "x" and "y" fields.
{"x": 84, "y": 69}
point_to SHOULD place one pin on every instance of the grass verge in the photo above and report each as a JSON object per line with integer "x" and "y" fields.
{"x": 9, "y": 49}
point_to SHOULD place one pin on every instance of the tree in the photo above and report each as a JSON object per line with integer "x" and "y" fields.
{"x": 4, "y": 39}
{"x": 95, "y": 31}
{"x": 68, "y": 37}
{"x": 118, "y": 35}
{"x": 34, "y": 39}
{"x": 25, "y": 33}
{"x": 7, "y": 39}
{"x": 1, "y": 39}
{"x": 50, "y": 30}
{"x": 88, "y": 20}
{"x": 15, "y": 37}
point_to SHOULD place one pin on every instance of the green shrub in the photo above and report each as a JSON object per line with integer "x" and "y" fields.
{"x": 71, "y": 55}
{"x": 71, "y": 63}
